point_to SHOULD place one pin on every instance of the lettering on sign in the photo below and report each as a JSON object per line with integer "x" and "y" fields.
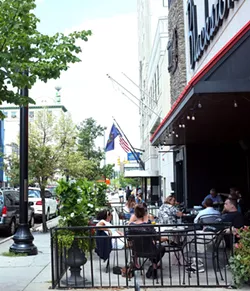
{"x": 213, "y": 21}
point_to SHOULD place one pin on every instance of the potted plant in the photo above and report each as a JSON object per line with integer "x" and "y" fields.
{"x": 240, "y": 262}
{"x": 78, "y": 200}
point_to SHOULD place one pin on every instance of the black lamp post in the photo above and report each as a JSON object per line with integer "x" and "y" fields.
{"x": 23, "y": 239}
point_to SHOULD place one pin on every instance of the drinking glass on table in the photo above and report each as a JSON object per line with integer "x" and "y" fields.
{"x": 165, "y": 220}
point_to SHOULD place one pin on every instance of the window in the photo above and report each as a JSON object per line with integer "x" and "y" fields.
{"x": 5, "y": 113}
{"x": 31, "y": 114}
{"x": 47, "y": 194}
{"x": 13, "y": 114}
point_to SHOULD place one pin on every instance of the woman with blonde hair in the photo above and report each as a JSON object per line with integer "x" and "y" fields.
{"x": 129, "y": 207}
{"x": 168, "y": 210}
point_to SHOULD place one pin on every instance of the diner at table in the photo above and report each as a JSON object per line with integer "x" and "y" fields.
{"x": 214, "y": 196}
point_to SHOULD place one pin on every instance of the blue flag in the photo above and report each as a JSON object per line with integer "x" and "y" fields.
{"x": 114, "y": 132}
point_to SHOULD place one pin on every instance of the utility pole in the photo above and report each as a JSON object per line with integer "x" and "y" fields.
{"x": 23, "y": 239}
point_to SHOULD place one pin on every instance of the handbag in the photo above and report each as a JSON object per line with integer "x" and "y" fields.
{"x": 117, "y": 270}
{"x": 128, "y": 271}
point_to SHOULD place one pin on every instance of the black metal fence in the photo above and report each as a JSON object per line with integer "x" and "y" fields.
{"x": 160, "y": 255}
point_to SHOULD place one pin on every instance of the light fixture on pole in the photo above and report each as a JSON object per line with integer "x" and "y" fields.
{"x": 199, "y": 105}
{"x": 193, "y": 117}
{"x": 188, "y": 117}
{"x": 235, "y": 104}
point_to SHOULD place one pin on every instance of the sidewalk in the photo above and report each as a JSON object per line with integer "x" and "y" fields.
{"x": 32, "y": 273}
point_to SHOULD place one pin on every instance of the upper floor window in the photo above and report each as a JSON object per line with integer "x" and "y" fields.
{"x": 5, "y": 113}
{"x": 13, "y": 114}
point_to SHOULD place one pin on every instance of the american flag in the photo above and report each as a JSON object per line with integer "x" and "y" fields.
{"x": 124, "y": 144}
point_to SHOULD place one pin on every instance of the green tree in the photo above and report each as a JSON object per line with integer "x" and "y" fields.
{"x": 50, "y": 141}
{"x": 134, "y": 182}
{"x": 11, "y": 169}
{"x": 89, "y": 131}
{"x": 24, "y": 49}
{"x": 108, "y": 171}
{"x": 79, "y": 167}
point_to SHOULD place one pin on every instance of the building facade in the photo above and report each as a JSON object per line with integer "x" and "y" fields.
{"x": 10, "y": 128}
{"x": 210, "y": 116}
{"x": 155, "y": 94}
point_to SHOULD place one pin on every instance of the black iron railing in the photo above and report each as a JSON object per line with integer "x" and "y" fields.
{"x": 160, "y": 255}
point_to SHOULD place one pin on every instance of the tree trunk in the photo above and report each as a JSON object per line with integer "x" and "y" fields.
{"x": 43, "y": 210}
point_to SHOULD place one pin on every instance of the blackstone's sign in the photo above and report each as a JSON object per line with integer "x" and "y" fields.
{"x": 213, "y": 20}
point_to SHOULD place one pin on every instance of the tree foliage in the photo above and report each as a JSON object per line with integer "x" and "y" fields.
{"x": 24, "y": 49}
{"x": 108, "y": 171}
{"x": 50, "y": 141}
{"x": 89, "y": 131}
{"x": 79, "y": 167}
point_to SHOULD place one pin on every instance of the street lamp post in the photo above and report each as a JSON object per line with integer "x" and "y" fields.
{"x": 23, "y": 239}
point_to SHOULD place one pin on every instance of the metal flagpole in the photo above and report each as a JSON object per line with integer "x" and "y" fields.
{"x": 132, "y": 95}
{"x": 138, "y": 159}
{"x": 140, "y": 88}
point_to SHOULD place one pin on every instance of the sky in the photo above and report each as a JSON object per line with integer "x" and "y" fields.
{"x": 112, "y": 49}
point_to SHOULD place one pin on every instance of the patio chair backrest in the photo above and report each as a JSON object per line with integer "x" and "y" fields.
{"x": 209, "y": 218}
{"x": 143, "y": 244}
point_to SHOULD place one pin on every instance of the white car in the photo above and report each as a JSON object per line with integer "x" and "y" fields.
{"x": 35, "y": 201}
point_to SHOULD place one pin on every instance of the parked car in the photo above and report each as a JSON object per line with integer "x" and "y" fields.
{"x": 9, "y": 211}
{"x": 35, "y": 201}
{"x": 52, "y": 189}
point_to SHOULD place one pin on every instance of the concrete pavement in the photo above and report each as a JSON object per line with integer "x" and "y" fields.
{"x": 33, "y": 273}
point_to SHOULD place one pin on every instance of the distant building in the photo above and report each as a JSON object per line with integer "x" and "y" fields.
{"x": 153, "y": 40}
{"x": 10, "y": 127}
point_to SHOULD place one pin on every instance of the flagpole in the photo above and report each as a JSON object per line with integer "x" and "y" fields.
{"x": 133, "y": 150}
{"x": 140, "y": 88}
{"x": 133, "y": 95}
{"x": 104, "y": 146}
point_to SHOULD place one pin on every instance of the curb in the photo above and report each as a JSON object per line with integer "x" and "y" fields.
{"x": 6, "y": 239}
{"x": 32, "y": 230}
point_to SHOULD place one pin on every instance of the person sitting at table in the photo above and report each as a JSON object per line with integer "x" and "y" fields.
{"x": 129, "y": 207}
{"x": 146, "y": 229}
{"x": 139, "y": 198}
{"x": 209, "y": 210}
{"x": 148, "y": 217}
{"x": 168, "y": 210}
{"x": 231, "y": 214}
{"x": 104, "y": 217}
{"x": 214, "y": 196}
{"x": 235, "y": 194}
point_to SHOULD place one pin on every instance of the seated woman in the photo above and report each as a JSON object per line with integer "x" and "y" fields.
{"x": 148, "y": 217}
{"x": 168, "y": 210}
{"x": 145, "y": 229}
{"x": 139, "y": 198}
{"x": 104, "y": 218}
{"x": 129, "y": 207}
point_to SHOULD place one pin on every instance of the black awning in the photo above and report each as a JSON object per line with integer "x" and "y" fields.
{"x": 216, "y": 103}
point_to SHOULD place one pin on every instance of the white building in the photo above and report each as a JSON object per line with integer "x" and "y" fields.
{"x": 12, "y": 122}
{"x": 155, "y": 94}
